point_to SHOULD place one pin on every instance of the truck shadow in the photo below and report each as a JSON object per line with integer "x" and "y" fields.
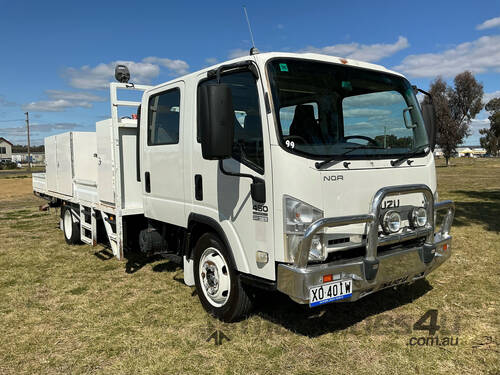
{"x": 279, "y": 309}
{"x": 485, "y": 211}
{"x": 137, "y": 260}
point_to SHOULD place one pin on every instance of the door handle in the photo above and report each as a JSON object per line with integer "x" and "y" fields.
{"x": 147, "y": 182}
{"x": 198, "y": 187}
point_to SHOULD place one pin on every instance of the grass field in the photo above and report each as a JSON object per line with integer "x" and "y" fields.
{"x": 73, "y": 309}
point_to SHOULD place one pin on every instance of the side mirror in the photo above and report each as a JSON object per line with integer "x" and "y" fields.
{"x": 258, "y": 190}
{"x": 429, "y": 115}
{"x": 216, "y": 116}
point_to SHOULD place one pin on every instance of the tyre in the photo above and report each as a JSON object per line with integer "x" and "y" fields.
{"x": 71, "y": 227}
{"x": 218, "y": 285}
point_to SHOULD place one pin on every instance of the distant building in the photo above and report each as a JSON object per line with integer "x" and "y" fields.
{"x": 22, "y": 157}
{"x": 465, "y": 151}
{"x": 471, "y": 152}
{"x": 5, "y": 150}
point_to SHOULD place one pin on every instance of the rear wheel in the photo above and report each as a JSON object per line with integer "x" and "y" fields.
{"x": 71, "y": 227}
{"x": 217, "y": 283}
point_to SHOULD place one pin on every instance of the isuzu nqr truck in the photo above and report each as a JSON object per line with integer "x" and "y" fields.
{"x": 307, "y": 174}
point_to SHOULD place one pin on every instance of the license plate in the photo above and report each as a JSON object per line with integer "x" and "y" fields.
{"x": 330, "y": 292}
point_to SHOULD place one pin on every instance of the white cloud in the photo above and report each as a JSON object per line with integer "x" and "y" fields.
{"x": 238, "y": 52}
{"x": 280, "y": 26}
{"x": 68, "y": 95}
{"x": 379, "y": 99}
{"x": 479, "y": 56}
{"x": 364, "y": 52}
{"x": 361, "y": 124}
{"x": 98, "y": 77}
{"x": 39, "y": 128}
{"x": 366, "y": 112}
{"x": 58, "y": 105}
{"x": 490, "y": 95}
{"x": 178, "y": 67}
{"x": 61, "y": 100}
{"x": 6, "y": 103}
{"x": 211, "y": 60}
{"x": 477, "y": 124}
{"x": 488, "y": 24}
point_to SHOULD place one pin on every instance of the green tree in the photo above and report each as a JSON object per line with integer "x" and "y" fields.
{"x": 455, "y": 108}
{"x": 491, "y": 139}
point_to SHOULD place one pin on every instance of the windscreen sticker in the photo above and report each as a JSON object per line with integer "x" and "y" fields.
{"x": 283, "y": 67}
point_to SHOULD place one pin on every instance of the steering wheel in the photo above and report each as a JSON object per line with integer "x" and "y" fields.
{"x": 372, "y": 141}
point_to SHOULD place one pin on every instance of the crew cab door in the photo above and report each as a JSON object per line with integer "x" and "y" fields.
{"x": 247, "y": 224}
{"x": 163, "y": 162}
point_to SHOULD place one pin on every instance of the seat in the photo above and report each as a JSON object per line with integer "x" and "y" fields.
{"x": 304, "y": 124}
{"x": 168, "y": 128}
{"x": 253, "y": 127}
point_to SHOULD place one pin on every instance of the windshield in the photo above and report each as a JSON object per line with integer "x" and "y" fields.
{"x": 326, "y": 109}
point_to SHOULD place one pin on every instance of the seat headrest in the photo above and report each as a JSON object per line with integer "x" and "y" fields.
{"x": 304, "y": 111}
{"x": 251, "y": 121}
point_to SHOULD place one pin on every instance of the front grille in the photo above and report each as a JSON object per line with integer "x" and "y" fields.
{"x": 360, "y": 251}
{"x": 401, "y": 245}
{"x": 339, "y": 240}
{"x": 352, "y": 253}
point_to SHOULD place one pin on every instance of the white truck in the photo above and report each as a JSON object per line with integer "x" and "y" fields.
{"x": 303, "y": 173}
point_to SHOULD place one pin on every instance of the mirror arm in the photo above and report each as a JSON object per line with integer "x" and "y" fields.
{"x": 227, "y": 173}
{"x": 415, "y": 88}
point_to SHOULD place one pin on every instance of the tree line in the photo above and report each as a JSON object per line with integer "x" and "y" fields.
{"x": 455, "y": 107}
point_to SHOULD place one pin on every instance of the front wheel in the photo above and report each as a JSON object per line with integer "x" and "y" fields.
{"x": 217, "y": 283}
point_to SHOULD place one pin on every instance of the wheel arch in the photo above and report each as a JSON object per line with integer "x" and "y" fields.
{"x": 200, "y": 224}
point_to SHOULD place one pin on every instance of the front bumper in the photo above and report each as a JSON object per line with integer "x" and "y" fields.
{"x": 374, "y": 271}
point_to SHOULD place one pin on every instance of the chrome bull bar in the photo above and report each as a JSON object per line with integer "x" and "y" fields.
{"x": 372, "y": 220}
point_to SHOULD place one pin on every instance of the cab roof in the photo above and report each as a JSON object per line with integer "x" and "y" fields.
{"x": 262, "y": 58}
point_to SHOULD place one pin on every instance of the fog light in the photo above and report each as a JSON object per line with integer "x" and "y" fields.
{"x": 419, "y": 217}
{"x": 317, "y": 253}
{"x": 391, "y": 222}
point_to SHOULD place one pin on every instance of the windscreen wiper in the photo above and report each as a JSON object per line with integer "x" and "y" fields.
{"x": 340, "y": 157}
{"x": 407, "y": 156}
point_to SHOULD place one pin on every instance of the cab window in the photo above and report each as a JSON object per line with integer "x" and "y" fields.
{"x": 163, "y": 118}
{"x": 248, "y": 143}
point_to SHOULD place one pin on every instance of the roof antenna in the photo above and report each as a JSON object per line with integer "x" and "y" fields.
{"x": 253, "y": 50}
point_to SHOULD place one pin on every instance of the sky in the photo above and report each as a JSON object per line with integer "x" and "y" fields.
{"x": 56, "y": 57}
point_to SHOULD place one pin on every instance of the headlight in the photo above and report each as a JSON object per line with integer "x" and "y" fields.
{"x": 419, "y": 217}
{"x": 297, "y": 217}
{"x": 391, "y": 222}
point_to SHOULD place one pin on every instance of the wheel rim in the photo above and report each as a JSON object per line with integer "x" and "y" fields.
{"x": 214, "y": 276}
{"x": 68, "y": 224}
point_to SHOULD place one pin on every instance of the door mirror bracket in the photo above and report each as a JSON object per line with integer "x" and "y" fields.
{"x": 258, "y": 187}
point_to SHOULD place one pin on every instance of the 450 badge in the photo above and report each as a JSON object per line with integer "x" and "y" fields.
{"x": 260, "y": 212}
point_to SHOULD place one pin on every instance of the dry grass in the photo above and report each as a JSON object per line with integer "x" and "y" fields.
{"x": 69, "y": 309}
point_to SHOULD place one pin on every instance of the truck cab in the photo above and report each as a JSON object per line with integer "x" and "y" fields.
{"x": 311, "y": 174}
